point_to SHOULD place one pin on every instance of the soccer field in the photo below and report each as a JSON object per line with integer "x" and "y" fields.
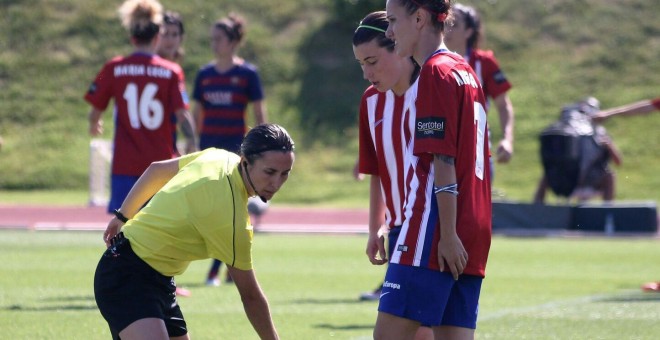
{"x": 536, "y": 288}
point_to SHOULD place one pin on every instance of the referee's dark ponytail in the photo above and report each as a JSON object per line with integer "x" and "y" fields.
{"x": 265, "y": 137}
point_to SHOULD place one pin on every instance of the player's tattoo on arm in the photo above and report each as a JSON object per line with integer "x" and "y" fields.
{"x": 187, "y": 129}
{"x": 446, "y": 159}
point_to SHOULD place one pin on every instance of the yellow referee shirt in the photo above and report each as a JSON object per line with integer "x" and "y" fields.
{"x": 200, "y": 213}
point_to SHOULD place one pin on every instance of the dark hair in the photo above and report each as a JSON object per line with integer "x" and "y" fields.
{"x": 373, "y": 26}
{"x": 174, "y": 18}
{"x": 265, "y": 137}
{"x": 437, "y": 8}
{"x": 472, "y": 20}
{"x": 232, "y": 26}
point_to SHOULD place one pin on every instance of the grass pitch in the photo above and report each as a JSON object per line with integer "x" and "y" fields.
{"x": 536, "y": 288}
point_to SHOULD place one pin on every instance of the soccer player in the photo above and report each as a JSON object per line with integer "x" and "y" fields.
{"x": 385, "y": 130}
{"x": 170, "y": 44}
{"x": 463, "y": 37}
{"x": 197, "y": 209}
{"x": 435, "y": 272}
{"x": 225, "y": 87}
{"x": 223, "y": 90}
{"x": 146, "y": 90}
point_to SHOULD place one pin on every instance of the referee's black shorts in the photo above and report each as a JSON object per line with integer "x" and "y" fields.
{"x": 127, "y": 289}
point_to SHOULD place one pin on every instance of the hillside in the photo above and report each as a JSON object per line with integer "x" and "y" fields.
{"x": 554, "y": 52}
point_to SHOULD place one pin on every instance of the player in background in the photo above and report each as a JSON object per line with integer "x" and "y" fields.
{"x": 223, "y": 90}
{"x": 463, "y": 37}
{"x": 170, "y": 47}
{"x": 435, "y": 272}
{"x": 146, "y": 89}
{"x": 197, "y": 209}
{"x": 637, "y": 108}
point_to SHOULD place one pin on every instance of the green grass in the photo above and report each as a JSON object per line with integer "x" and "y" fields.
{"x": 536, "y": 288}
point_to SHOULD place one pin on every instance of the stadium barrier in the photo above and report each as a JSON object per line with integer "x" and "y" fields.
{"x": 608, "y": 218}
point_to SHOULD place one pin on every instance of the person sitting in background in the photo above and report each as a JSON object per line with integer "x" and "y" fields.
{"x": 591, "y": 174}
{"x": 637, "y": 108}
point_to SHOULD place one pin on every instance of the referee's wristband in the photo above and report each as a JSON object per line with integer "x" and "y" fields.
{"x": 120, "y": 216}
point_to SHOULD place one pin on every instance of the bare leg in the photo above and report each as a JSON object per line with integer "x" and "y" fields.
{"x": 149, "y": 328}
{"x": 390, "y": 327}
{"x": 453, "y": 333}
{"x": 424, "y": 333}
{"x": 608, "y": 186}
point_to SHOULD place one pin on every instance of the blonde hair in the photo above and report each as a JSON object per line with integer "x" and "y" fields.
{"x": 142, "y": 18}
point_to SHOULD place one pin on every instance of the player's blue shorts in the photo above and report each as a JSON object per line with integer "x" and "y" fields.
{"x": 430, "y": 297}
{"x": 120, "y": 185}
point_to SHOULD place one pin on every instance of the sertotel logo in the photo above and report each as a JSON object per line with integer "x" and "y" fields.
{"x": 422, "y": 126}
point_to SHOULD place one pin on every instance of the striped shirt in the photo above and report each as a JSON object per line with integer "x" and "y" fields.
{"x": 386, "y": 128}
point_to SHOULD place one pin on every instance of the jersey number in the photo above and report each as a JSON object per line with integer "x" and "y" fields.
{"x": 480, "y": 124}
{"x": 144, "y": 110}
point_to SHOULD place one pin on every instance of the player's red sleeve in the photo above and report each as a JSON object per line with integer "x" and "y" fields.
{"x": 100, "y": 91}
{"x": 495, "y": 81}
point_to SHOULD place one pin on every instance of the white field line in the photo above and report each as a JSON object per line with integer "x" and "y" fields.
{"x": 506, "y": 312}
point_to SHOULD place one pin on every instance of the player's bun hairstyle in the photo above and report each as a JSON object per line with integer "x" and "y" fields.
{"x": 440, "y": 10}
{"x": 233, "y": 26}
{"x": 265, "y": 137}
{"x": 472, "y": 20}
{"x": 373, "y": 26}
{"x": 142, "y": 18}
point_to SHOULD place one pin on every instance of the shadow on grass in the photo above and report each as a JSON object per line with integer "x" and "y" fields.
{"x": 326, "y": 301}
{"x": 68, "y": 304}
{"x": 71, "y": 298}
{"x": 633, "y": 297}
{"x": 19, "y": 308}
{"x": 342, "y": 327}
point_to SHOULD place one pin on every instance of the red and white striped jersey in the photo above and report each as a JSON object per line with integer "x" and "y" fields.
{"x": 450, "y": 119}
{"x": 386, "y": 128}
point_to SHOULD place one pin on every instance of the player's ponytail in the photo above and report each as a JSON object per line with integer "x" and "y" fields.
{"x": 233, "y": 26}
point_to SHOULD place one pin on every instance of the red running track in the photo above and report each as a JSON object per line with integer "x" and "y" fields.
{"x": 276, "y": 219}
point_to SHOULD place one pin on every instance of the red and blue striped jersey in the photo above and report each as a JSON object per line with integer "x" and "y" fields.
{"x": 224, "y": 98}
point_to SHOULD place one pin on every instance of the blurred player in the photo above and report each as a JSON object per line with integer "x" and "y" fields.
{"x": 223, "y": 90}
{"x": 463, "y": 37}
{"x": 170, "y": 47}
{"x": 435, "y": 272}
{"x": 146, "y": 89}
